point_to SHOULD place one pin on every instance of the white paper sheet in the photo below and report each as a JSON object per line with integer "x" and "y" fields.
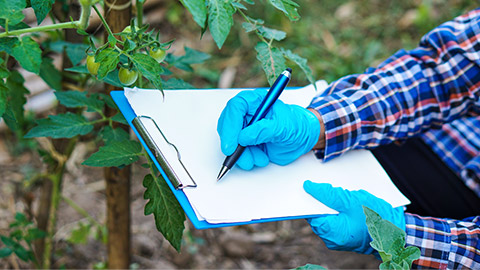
{"x": 188, "y": 118}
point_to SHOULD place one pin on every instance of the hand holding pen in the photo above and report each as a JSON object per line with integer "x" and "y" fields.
{"x": 277, "y": 132}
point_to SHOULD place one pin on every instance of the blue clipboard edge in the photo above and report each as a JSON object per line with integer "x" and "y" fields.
{"x": 127, "y": 111}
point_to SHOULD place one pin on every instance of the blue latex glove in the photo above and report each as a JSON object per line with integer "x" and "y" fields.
{"x": 347, "y": 230}
{"x": 286, "y": 132}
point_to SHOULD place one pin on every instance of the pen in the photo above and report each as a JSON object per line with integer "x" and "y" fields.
{"x": 272, "y": 96}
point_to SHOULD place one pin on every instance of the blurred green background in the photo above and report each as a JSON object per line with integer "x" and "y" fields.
{"x": 337, "y": 37}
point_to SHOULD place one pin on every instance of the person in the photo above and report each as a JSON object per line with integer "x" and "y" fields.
{"x": 419, "y": 113}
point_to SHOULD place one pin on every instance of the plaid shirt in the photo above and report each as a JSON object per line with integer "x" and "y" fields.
{"x": 433, "y": 92}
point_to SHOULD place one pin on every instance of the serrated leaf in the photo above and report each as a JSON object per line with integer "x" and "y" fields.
{"x": 271, "y": 33}
{"x": 288, "y": 7}
{"x": 220, "y": 20}
{"x": 198, "y": 10}
{"x": 12, "y": 10}
{"x": 7, "y": 43}
{"x": 5, "y": 252}
{"x": 76, "y": 52}
{"x": 168, "y": 214}
{"x": 50, "y": 74}
{"x": 115, "y": 154}
{"x": 61, "y": 126}
{"x": 14, "y": 114}
{"x": 108, "y": 59}
{"x": 301, "y": 62}
{"x": 28, "y": 54}
{"x": 78, "y": 99}
{"x": 272, "y": 60}
{"x": 110, "y": 134}
{"x": 149, "y": 68}
{"x": 41, "y": 8}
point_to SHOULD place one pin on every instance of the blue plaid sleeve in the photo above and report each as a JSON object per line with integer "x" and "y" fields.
{"x": 411, "y": 92}
{"x": 444, "y": 243}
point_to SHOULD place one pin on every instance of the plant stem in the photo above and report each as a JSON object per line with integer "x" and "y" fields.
{"x": 80, "y": 210}
{"x": 139, "y": 5}
{"x": 43, "y": 28}
{"x": 256, "y": 31}
{"x": 105, "y": 24}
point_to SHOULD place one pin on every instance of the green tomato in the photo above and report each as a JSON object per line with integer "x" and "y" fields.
{"x": 92, "y": 66}
{"x": 158, "y": 54}
{"x": 127, "y": 77}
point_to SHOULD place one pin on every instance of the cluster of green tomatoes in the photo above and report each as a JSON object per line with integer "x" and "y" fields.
{"x": 128, "y": 75}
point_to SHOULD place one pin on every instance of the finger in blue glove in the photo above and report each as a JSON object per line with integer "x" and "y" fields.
{"x": 286, "y": 132}
{"x": 347, "y": 230}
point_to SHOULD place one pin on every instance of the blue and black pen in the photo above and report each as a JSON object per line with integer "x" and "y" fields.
{"x": 272, "y": 96}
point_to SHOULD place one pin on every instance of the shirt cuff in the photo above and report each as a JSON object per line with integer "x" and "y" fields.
{"x": 432, "y": 236}
{"x": 342, "y": 125}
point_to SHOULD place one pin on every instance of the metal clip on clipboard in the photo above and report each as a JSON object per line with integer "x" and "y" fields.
{"x": 180, "y": 179}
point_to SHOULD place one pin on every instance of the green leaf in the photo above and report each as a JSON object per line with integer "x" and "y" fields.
{"x": 78, "y": 69}
{"x": 149, "y": 68}
{"x": 12, "y": 10}
{"x": 311, "y": 267}
{"x": 7, "y": 43}
{"x": 41, "y": 8}
{"x": 301, "y": 62}
{"x": 176, "y": 83}
{"x": 389, "y": 241}
{"x": 238, "y": 5}
{"x": 270, "y": 33}
{"x": 80, "y": 234}
{"x": 119, "y": 118}
{"x": 198, "y": 9}
{"x": 168, "y": 214}
{"x": 288, "y": 7}
{"x": 14, "y": 114}
{"x": 3, "y": 97}
{"x": 273, "y": 62}
{"x": 220, "y": 20}
{"x": 112, "y": 78}
{"x": 78, "y": 99}
{"x": 110, "y": 134}
{"x": 115, "y": 154}
{"x": 34, "y": 233}
{"x": 61, "y": 126}
{"x": 76, "y": 52}
{"x": 5, "y": 252}
{"x": 50, "y": 74}
{"x": 108, "y": 59}
{"x": 185, "y": 61}
{"x": 20, "y": 25}
{"x": 22, "y": 253}
{"x": 28, "y": 54}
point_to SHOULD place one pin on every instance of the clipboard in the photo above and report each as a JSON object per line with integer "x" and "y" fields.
{"x": 175, "y": 185}
{"x": 209, "y": 204}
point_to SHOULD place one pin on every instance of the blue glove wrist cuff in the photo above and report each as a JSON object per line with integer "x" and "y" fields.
{"x": 313, "y": 128}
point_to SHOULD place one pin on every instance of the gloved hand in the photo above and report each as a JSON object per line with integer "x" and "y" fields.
{"x": 286, "y": 132}
{"x": 347, "y": 230}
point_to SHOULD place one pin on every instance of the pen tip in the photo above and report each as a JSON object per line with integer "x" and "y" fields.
{"x": 289, "y": 70}
{"x": 223, "y": 171}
